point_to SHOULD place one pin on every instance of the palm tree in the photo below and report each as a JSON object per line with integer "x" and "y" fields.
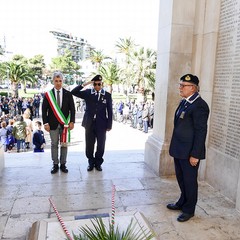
{"x": 110, "y": 73}
{"x": 126, "y": 47}
{"x": 144, "y": 66}
{"x": 97, "y": 57}
{"x": 16, "y": 73}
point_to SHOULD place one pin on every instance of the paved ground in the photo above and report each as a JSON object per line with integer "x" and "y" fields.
{"x": 26, "y": 184}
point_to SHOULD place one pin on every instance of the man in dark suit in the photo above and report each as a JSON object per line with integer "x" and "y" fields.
{"x": 58, "y": 115}
{"x": 97, "y": 119}
{"x": 188, "y": 144}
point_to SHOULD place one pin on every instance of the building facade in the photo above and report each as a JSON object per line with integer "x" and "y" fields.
{"x": 79, "y": 47}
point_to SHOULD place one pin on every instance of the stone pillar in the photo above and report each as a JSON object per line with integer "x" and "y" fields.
{"x": 2, "y": 163}
{"x": 204, "y": 54}
{"x": 175, "y": 45}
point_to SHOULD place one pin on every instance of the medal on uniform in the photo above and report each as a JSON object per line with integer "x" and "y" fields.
{"x": 182, "y": 115}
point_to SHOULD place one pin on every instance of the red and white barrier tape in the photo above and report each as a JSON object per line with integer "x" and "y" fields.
{"x": 113, "y": 206}
{"x": 60, "y": 220}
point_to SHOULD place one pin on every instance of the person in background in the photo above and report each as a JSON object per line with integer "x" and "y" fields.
{"x": 38, "y": 138}
{"x": 145, "y": 114}
{"x": 151, "y": 115}
{"x": 187, "y": 145}
{"x": 10, "y": 137}
{"x": 20, "y": 132}
{"x": 58, "y": 115}
{"x": 97, "y": 119}
{"x": 27, "y": 119}
{"x": 3, "y": 135}
{"x": 36, "y": 105}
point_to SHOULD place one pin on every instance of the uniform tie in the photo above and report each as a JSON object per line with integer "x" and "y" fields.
{"x": 98, "y": 95}
{"x": 181, "y": 107}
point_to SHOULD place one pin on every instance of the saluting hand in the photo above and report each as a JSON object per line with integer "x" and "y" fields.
{"x": 87, "y": 83}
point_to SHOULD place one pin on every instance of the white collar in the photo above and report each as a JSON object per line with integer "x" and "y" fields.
{"x": 190, "y": 100}
{"x": 58, "y": 90}
{"x": 93, "y": 91}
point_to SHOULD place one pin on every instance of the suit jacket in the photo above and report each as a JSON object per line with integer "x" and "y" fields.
{"x": 38, "y": 139}
{"x": 190, "y": 130}
{"x": 67, "y": 108}
{"x": 99, "y": 111}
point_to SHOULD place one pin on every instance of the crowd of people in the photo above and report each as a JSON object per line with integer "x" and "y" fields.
{"x": 16, "y": 123}
{"x": 138, "y": 115}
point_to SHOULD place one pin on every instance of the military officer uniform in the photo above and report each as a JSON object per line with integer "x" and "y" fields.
{"x": 188, "y": 140}
{"x": 97, "y": 120}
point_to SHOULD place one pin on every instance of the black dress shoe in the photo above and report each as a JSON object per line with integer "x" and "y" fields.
{"x": 54, "y": 168}
{"x": 64, "y": 168}
{"x": 173, "y": 206}
{"x": 99, "y": 168}
{"x": 90, "y": 168}
{"x": 184, "y": 217}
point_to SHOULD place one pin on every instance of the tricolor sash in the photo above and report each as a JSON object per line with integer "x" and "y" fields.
{"x": 65, "y": 137}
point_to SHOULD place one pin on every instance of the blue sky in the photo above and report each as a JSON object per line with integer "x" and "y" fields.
{"x": 26, "y": 23}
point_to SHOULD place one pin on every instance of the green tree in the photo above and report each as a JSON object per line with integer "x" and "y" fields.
{"x": 144, "y": 67}
{"x": 16, "y": 73}
{"x": 1, "y": 50}
{"x": 97, "y": 57}
{"x": 64, "y": 63}
{"x": 126, "y": 47}
{"x": 110, "y": 73}
{"x": 37, "y": 65}
{"x": 20, "y": 59}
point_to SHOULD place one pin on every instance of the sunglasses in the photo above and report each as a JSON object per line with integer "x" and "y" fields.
{"x": 97, "y": 84}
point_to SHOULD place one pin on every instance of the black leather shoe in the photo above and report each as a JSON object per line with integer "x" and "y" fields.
{"x": 54, "y": 168}
{"x": 184, "y": 217}
{"x": 173, "y": 206}
{"x": 64, "y": 168}
{"x": 90, "y": 168}
{"x": 99, "y": 168}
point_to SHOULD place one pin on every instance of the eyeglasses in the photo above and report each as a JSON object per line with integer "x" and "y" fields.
{"x": 184, "y": 85}
{"x": 97, "y": 84}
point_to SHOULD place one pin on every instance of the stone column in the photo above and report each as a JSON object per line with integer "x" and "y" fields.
{"x": 175, "y": 44}
{"x": 204, "y": 54}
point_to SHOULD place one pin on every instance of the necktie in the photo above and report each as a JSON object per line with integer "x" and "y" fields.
{"x": 97, "y": 95}
{"x": 58, "y": 98}
{"x": 181, "y": 107}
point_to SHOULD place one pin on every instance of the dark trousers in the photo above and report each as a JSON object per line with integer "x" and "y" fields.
{"x": 95, "y": 134}
{"x": 187, "y": 180}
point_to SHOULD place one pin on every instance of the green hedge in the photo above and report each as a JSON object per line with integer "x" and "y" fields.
{"x": 4, "y": 94}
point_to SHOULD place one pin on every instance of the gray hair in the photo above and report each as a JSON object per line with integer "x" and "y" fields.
{"x": 57, "y": 74}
